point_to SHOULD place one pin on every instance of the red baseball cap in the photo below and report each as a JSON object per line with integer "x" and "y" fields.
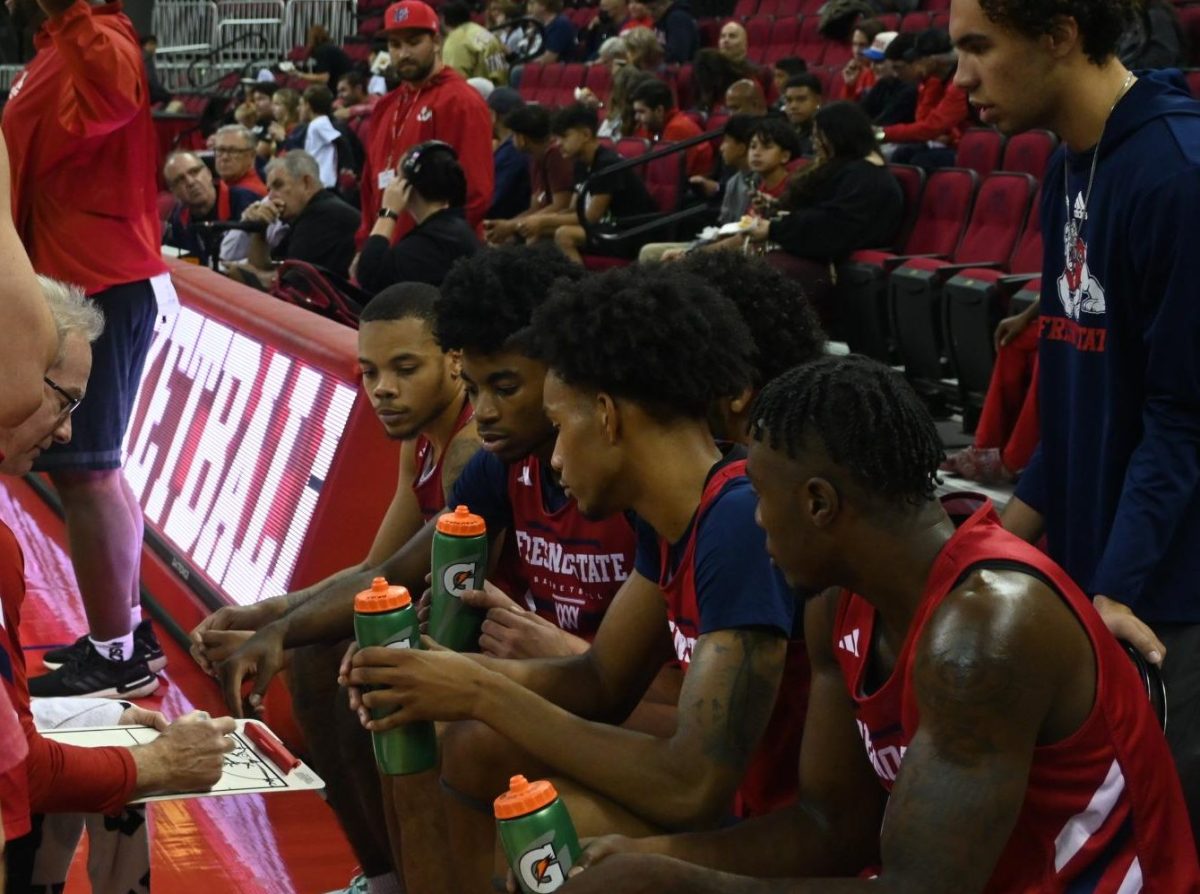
{"x": 410, "y": 14}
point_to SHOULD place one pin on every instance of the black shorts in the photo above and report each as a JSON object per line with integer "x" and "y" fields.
{"x": 625, "y": 248}
{"x": 98, "y": 425}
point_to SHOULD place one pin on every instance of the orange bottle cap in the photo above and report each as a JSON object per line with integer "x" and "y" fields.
{"x": 461, "y": 523}
{"x": 381, "y": 598}
{"x": 524, "y": 797}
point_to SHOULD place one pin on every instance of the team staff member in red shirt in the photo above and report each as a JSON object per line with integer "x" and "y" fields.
{"x": 85, "y": 202}
{"x": 58, "y": 777}
{"x": 433, "y": 102}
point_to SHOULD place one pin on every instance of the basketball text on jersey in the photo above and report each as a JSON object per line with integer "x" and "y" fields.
{"x": 586, "y": 567}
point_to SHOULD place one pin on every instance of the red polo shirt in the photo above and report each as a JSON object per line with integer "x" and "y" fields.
{"x": 83, "y": 152}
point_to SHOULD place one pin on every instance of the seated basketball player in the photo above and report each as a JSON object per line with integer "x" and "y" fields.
{"x": 415, "y": 389}
{"x": 961, "y": 683}
{"x": 631, "y": 380}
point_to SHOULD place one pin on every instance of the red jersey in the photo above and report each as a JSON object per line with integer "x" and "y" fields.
{"x": 444, "y": 108}
{"x": 1103, "y": 811}
{"x": 772, "y": 777}
{"x": 679, "y": 127}
{"x": 431, "y": 496}
{"x": 571, "y": 565}
{"x": 83, "y": 152}
{"x": 54, "y": 778}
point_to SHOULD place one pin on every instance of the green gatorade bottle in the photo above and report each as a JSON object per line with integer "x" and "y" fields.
{"x": 459, "y": 562}
{"x": 385, "y": 616}
{"x": 537, "y": 833}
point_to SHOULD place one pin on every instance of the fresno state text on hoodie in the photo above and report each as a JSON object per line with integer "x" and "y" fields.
{"x": 1118, "y": 471}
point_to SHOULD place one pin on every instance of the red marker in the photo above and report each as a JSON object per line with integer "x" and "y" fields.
{"x": 272, "y": 748}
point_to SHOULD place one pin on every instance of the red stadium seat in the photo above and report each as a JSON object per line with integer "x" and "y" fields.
{"x": 758, "y": 31}
{"x": 915, "y": 288}
{"x": 368, "y": 27}
{"x": 770, "y": 7}
{"x": 940, "y": 19}
{"x": 1030, "y": 152}
{"x": 1189, "y": 20}
{"x": 598, "y": 79}
{"x": 837, "y": 53}
{"x": 682, "y": 82}
{"x": 570, "y": 79}
{"x": 976, "y": 300}
{"x": 632, "y": 147}
{"x": 936, "y": 5}
{"x": 810, "y": 45}
{"x": 710, "y": 31}
{"x": 784, "y": 33}
{"x": 980, "y": 149}
{"x": 356, "y": 50}
{"x": 664, "y": 178}
{"x": 744, "y": 9}
{"x": 890, "y": 20}
{"x": 531, "y": 82}
{"x": 914, "y": 21}
{"x": 1193, "y": 81}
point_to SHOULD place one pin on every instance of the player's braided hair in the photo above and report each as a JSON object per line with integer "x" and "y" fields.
{"x": 866, "y": 416}
{"x": 488, "y": 298}
{"x": 1101, "y": 22}
{"x": 654, "y": 335}
{"x": 784, "y": 326}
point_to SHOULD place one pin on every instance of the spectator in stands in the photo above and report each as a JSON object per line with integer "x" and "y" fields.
{"x": 712, "y": 75}
{"x": 433, "y": 102}
{"x": 676, "y": 28}
{"x": 783, "y": 71}
{"x": 1154, "y": 38}
{"x": 847, "y": 200}
{"x": 551, "y": 176}
{"x": 942, "y": 112}
{"x": 256, "y": 113}
{"x": 199, "y": 199}
{"x": 608, "y": 23}
{"x": 745, "y": 97}
{"x": 639, "y": 17}
{"x": 656, "y": 115}
{"x": 774, "y": 145}
{"x": 610, "y": 199}
{"x": 558, "y": 34}
{"x": 733, "y": 42}
{"x": 858, "y": 76}
{"x": 511, "y": 196}
{"x": 85, "y": 182}
{"x": 353, "y": 101}
{"x": 645, "y": 51}
{"x": 58, "y": 778}
{"x": 431, "y": 189}
{"x": 469, "y": 48}
{"x": 301, "y": 221}
{"x": 621, "y": 121}
{"x": 737, "y": 188}
{"x": 233, "y": 153}
{"x": 159, "y": 95}
{"x": 286, "y": 131}
{"x": 321, "y": 136}
{"x": 893, "y": 99}
{"x": 326, "y": 61}
{"x": 802, "y": 97}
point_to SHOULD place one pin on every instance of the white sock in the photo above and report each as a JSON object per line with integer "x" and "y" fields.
{"x": 119, "y": 649}
{"x": 384, "y": 884}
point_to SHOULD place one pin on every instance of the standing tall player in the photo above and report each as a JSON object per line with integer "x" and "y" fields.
{"x": 1116, "y": 480}
{"x": 84, "y": 196}
{"x": 418, "y": 395}
{"x": 966, "y": 697}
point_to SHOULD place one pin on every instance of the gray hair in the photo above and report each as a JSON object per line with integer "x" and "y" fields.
{"x": 241, "y": 130}
{"x": 297, "y": 163}
{"x": 72, "y": 312}
{"x": 178, "y": 153}
{"x": 611, "y": 48}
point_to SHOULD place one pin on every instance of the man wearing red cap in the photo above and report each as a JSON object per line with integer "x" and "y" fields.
{"x": 433, "y": 102}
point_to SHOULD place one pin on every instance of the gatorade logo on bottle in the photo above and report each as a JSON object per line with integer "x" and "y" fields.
{"x": 459, "y": 578}
{"x": 540, "y": 870}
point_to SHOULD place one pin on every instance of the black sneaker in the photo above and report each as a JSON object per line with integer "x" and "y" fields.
{"x": 89, "y": 674}
{"x": 145, "y": 647}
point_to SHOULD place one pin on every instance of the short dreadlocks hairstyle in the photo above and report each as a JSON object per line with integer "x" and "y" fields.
{"x": 784, "y": 327}
{"x": 1101, "y": 22}
{"x": 867, "y": 418}
{"x": 655, "y": 335}
{"x": 488, "y": 298}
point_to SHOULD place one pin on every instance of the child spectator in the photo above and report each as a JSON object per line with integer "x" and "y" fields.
{"x": 552, "y": 177}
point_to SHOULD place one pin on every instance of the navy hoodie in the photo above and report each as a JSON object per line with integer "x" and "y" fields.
{"x": 1117, "y": 474}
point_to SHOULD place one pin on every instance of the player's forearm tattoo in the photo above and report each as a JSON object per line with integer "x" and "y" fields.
{"x": 737, "y": 713}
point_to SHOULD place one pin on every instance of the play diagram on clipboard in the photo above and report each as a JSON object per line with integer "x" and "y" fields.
{"x": 249, "y": 768}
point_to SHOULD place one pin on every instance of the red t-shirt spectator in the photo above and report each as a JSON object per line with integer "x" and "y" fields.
{"x": 251, "y": 181}
{"x": 854, "y": 90}
{"x": 942, "y": 115}
{"x": 678, "y": 126}
{"x": 54, "y": 778}
{"x": 553, "y": 173}
{"x": 445, "y": 108}
{"x": 86, "y": 201}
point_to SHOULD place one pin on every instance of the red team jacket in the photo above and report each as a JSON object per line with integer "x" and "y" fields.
{"x": 54, "y": 777}
{"x": 444, "y": 108}
{"x": 1103, "y": 812}
{"x": 82, "y": 150}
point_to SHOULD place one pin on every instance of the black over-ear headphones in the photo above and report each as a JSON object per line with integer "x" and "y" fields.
{"x": 411, "y": 166}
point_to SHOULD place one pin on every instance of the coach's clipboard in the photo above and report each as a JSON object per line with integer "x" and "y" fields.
{"x": 247, "y": 769}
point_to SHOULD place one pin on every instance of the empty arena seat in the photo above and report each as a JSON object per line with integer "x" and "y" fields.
{"x": 914, "y": 21}
{"x": 1030, "y": 152}
{"x": 664, "y": 178}
{"x": 915, "y": 287}
{"x": 980, "y": 149}
{"x": 598, "y": 79}
{"x": 744, "y": 9}
{"x": 632, "y": 147}
{"x": 531, "y": 82}
{"x": 758, "y": 31}
{"x": 810, "y": 45}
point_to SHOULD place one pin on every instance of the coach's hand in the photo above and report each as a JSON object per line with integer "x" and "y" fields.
{"x": 260, "y": 658}
{"x": 209, "y": 650}
{"x": 187, "y": 757}
{"x": 1125, "y": 626}
{"x": 416, "y": 684}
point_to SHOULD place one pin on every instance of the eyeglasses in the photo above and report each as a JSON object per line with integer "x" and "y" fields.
{"x": 69, "y": 402}
{"x": 229, "y": 150}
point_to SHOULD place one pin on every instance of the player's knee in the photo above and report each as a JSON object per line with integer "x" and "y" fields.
{"x": 568, "y": 237}
{"x": 471, "y": 758}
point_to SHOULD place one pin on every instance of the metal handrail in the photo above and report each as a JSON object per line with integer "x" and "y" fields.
{"x": 214, "y": 60}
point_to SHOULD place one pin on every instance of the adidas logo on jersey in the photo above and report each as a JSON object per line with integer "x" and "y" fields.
{"x": 849, "y": 643}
